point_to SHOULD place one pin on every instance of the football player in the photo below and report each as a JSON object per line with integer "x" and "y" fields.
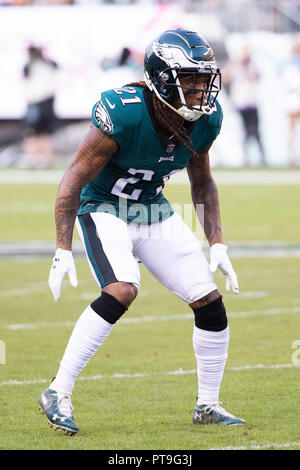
{"x": 140, "y": 135}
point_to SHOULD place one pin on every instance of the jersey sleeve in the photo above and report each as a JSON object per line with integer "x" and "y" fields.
{"x": 113, "y": 118}
{"x": 105, "y": 116}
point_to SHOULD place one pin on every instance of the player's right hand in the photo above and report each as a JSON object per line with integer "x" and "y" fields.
{"x": 63, "y": 263}
{"x": 219, "y": 259}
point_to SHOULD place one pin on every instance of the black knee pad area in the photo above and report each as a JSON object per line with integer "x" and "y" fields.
{"x": 108, "y": 307}
{"x": 211, "y": 317}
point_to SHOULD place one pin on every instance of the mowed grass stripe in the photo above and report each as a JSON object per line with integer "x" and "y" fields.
{"x": 249, "y": 213}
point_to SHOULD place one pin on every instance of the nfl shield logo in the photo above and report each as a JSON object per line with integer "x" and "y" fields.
{"x": 170, "y": 148}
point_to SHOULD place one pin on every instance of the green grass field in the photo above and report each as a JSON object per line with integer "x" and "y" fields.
{"x": 139, "y": 391}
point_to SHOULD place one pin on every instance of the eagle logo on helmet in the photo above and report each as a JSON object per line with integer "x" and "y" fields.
{"x": 162, "y": 50}
{"x": 177, "y": 57}
{"x": 174, "y": 56}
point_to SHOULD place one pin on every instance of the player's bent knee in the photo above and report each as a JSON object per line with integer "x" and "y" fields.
{"x": 213, "y": 295}
{"x": 108, "y": 307}
{"x": 212, "y": 316}
{"x": 124, "y": 292}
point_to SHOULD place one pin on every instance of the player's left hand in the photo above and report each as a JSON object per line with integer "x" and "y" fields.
{"x": 219, "y": 258}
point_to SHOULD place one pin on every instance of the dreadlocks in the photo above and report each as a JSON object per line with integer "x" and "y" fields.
{"x": 165, "y": 116}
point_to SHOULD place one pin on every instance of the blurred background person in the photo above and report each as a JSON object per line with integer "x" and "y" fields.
{"x": 127, "y": 64}
{"x": 242, "y": 78}
{"x": 291, "y": 80}
{"x": 12, "y": 3}
{"x": 40, "y": 119}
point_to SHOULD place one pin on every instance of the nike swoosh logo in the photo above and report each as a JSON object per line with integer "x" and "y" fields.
{"x": 112, "y": 106}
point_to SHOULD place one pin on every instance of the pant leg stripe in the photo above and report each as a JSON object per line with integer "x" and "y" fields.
{"x": 96, "y": 254}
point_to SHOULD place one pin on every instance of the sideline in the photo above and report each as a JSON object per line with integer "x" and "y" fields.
{"x": 260, "y": 249}
{"x": 225, "y": 177}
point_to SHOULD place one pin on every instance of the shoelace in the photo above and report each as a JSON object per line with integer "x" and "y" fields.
{"x": 65, "y": 404}
{"x": 218, "y": 409}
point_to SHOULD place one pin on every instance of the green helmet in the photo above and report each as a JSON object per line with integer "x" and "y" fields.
{"x": 173, "y": 55}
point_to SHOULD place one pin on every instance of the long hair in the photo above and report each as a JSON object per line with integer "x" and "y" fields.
{"x": 165, "y": 117}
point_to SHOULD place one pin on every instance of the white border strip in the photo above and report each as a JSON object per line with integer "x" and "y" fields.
{"x": 151, "y": 374}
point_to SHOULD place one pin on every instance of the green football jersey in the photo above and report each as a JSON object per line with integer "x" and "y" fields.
{"x": 130, "y": 185}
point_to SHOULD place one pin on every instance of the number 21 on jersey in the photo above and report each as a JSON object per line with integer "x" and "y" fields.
{"x": 131, "y": 91}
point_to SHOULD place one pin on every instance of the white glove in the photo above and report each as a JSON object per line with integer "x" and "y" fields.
{"x": 63, "y": 263}
{"x": 219, "y": 258}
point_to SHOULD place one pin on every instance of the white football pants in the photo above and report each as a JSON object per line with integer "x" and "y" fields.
{"x": 168, "y": 249}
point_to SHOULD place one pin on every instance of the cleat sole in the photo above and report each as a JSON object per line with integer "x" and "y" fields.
{"x": 219, "y": 424}
{"x": 67, "y": 431}
{"x": 205, "y": 423}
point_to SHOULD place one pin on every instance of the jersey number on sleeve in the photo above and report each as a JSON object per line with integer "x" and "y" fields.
{"x": 131, "y": 91}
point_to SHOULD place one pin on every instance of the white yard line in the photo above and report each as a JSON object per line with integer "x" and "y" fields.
{"x": 27, "y": 176}
{"x": 151, "y": 374}
{"x": 18, "y": 207}
{"x": 253, "y": 294}
{"x": 271, "y": 249}
{"x": 245, "y": 177}
{"x": 149, "y": 319}
{"x": 270, "y": 311}
{"x": 89, "y": 296}
{"x": 43, "y": 286}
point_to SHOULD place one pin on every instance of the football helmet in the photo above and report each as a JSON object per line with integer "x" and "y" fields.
{"x": 176, "y": 54}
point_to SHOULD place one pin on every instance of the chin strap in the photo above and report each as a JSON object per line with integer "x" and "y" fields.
{"x": 189, "y": 114}
{"x": 194, "y": 114}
